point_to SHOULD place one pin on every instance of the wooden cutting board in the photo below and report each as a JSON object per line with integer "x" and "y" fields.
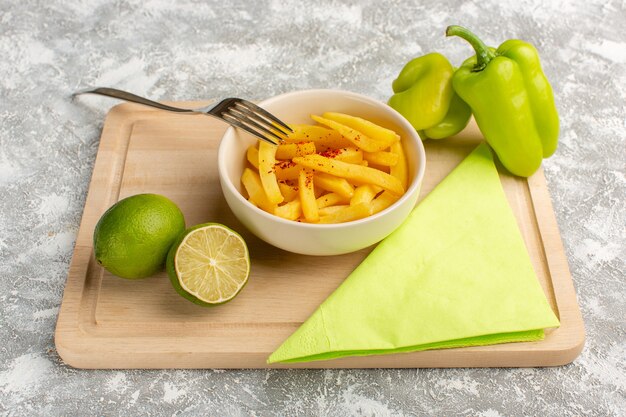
{"x": 108, "y": 322}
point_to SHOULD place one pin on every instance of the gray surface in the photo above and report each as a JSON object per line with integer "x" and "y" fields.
{"x": 195, "y": 51}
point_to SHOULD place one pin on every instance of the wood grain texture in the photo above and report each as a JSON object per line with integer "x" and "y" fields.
{"x": 108, "y": 322}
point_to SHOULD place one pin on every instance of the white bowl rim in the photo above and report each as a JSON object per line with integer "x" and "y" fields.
{"x": 416, "y": 179}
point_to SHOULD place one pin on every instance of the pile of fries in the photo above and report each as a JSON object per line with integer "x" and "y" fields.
{"x": 344, "y": 169}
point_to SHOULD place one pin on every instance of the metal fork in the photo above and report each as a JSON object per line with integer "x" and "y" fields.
{"x": 234, "y": 111}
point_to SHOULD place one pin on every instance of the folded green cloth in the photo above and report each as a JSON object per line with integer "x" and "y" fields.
{"x": 455, "y": 273}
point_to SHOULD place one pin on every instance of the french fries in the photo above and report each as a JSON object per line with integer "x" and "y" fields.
{"x": 289, "y": 192}
{"x": 382, "y": 202}
{"x": 364, "y": 194}
{"x": 347, "y": 214}
{"x": 357, "y": 138}
{"x": 333, "y": 184}
{"x": 267, "y": 160}
{"x": 352, "y": 155}
{"x": 307, "y": 195}
{"x": 322, "y": 137}
{"x": 346, "y": 170}
{"x": 351, "y": 171}
{"x": 364, "y": 126}
{"x": 290, "y": 211}
{"x": 291, "y": 150}
{"x": 325, "y": 211}
{"x": 286, "y": 170}
{"x": 252, "y": 155}
{"x": 399, "y": 170}
{"x": 254, "y": 188}
{"x": 387, "y": 159}
{"x": 331, "y": 199}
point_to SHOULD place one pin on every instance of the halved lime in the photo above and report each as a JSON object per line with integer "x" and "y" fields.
{"x": 209, "y": 264}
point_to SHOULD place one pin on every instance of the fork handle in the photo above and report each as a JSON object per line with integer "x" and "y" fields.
{"x": 125, "y": 95}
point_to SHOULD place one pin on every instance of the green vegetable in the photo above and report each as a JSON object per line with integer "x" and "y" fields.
{"x": 423, "y": 90}
{"x": 456, "y": 119}
{"x": 511, "y": 99}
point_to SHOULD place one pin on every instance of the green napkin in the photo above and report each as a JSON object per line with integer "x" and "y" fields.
{"x": 456, "y": 273}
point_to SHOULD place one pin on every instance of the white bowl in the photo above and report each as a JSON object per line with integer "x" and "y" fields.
{"x": 320, "y": 239}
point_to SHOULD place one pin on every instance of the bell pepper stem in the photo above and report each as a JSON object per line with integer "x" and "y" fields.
{"x": 483, "y": 53}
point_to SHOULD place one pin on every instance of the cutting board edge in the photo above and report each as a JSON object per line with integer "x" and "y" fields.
{"x": 89, "y": 357}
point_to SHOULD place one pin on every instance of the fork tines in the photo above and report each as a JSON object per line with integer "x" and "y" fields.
{"x": 256, "y": 121}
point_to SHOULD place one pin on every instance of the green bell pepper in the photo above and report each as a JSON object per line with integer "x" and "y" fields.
{"x": 511, "y": 99}
{"x": 423, "y": 90}
{"x": 455, "y": 120}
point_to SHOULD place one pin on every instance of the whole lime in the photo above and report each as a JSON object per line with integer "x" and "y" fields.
{"x": 132, "y": 238}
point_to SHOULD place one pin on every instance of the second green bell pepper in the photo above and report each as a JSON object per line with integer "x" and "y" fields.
{"x": 511, "y": 99}
{"x": 455, "y": 120}
{"x": 423, "y": 90}
{"x": 424, "y": 96}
